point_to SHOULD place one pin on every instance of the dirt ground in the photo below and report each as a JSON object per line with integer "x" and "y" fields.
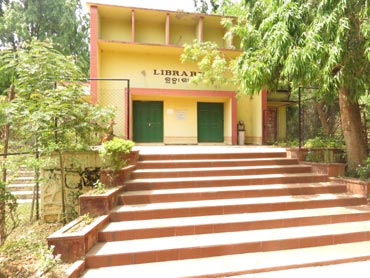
{"x": 25, "y": 253}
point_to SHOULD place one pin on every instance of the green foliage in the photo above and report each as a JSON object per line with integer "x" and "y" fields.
{"x": 61, "y": 21}
{"x": 324, "y": 155}
{"x": 304, "y": 43}
{"x": 363, "y": 171}
{"x": 9, "y": 202}
{"x": 99, "y": 187}
{"x": 87, "y": 219}
{"x": 72, "y": 204}
{"x": 215, "y": 67}
{"x": 47, "y": 260}
{"x": 324, "y": 142}
{"x": 325, "y": 150}
{"x": 50, "y": 112}
{"x": 288, "y": 143}
{"x": 315, "y": 43}
{"x": 299, "y": 43}
{"x": 50, "y": 102}
{"x": 31, "y": 245}
{"x": 210, "y": 6}
{"x": 112, "y": 151}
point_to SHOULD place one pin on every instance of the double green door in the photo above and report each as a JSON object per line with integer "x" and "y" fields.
{"x": 148, "y": 121}
{"x": 210, "y": 122}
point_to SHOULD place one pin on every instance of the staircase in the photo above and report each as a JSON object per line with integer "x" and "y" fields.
{"x": 22, "y": 186}
{"x": 227, "y": 214}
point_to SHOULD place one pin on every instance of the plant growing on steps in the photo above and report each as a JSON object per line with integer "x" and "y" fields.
{"x": 99, "y": 188}
{"x": 114, "y": 155}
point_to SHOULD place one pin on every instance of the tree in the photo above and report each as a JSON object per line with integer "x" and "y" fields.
{"x": 61, "y": 21}
{"x": 206, "y": 6}
{"x": 49, "y": 103}
{"x": 318, "y": 43}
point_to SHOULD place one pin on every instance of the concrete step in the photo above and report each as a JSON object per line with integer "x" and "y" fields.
{"x": 221, "y": 244}
{"x": 189, "y": 182}
{"x": 271, "y": 153}
{"x": 25, "y": 173}
{"x": 220, "y": 171}
{"x": 332, "y": 270}
{"x": 24, "y": 195}
{"x": 196, "y": 163}
{"x": 129, "y": 230}
{"x": 230, "y": 212}
{"x": 232, "y": 206}
{"x": 228, "y": 192}
{"x": 231, "y": 265}
{"x": 21, "y": 187}
{"x": 23, "y": 180}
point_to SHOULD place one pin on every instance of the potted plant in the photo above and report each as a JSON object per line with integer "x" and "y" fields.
{"x": 115, "y": 156}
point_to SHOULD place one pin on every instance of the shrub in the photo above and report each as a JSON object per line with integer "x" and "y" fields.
{"x": 324, "y": 142}
{"x": 112, "y": 151}
{"x": 363, "y": 171}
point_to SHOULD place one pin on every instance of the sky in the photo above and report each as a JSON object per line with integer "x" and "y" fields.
{"x": 171, "y": 5}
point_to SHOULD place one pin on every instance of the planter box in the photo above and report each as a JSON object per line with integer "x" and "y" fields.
{"x": 74, "y": 245}
{"x": 330, "y": 169}
{"x": 132, "y": 158}
{"x": 356, "y": 186}
{"x": 322, "y": 155}
{"x": 99, "y": 204}
{"x": 297, "y": 153}
{"x": 114, "y": 178}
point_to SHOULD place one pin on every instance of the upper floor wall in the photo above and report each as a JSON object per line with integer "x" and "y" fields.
{"x": 169, "y": 28}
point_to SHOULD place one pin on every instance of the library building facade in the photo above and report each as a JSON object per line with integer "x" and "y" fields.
{"x": 135, "y": 66}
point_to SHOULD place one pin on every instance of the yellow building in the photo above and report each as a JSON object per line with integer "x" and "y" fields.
{"x": 140, "y": 49}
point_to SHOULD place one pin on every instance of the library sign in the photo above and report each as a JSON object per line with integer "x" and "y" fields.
{"x": 174, "y": 76}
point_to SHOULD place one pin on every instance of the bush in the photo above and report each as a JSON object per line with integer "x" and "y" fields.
{"x": 324, "y": 142}
{"x": 112, "y": 151}
{"x": 363, "y": 171}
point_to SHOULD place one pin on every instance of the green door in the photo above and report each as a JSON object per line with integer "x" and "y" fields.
{"x": 210, "y": 122}
{"x": 148, "y": 121}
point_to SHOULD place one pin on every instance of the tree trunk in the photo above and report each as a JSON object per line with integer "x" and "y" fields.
{"x": 322, "y": 115}
{"x": 352, "y": 129}
{"x": 63, "y": 185}
{"x": 333, "y": 120}
{"x": 6, "y": 130}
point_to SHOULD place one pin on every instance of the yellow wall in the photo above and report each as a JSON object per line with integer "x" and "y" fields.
{"x": 181, "y": 34}
{"x": 281, "y": 132}
{"x": 116, "y": 29}
{"x": 139, "y": 68}
{"x": 214, "y": 33}
{"x": 151, "y": 64}
{"x": 250, "y": 111}
{"x": 112, "y": 94}
{"x": 180, "y": 117}
{"x": 152, "y": 32}
{"x": 150, "y": 26}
